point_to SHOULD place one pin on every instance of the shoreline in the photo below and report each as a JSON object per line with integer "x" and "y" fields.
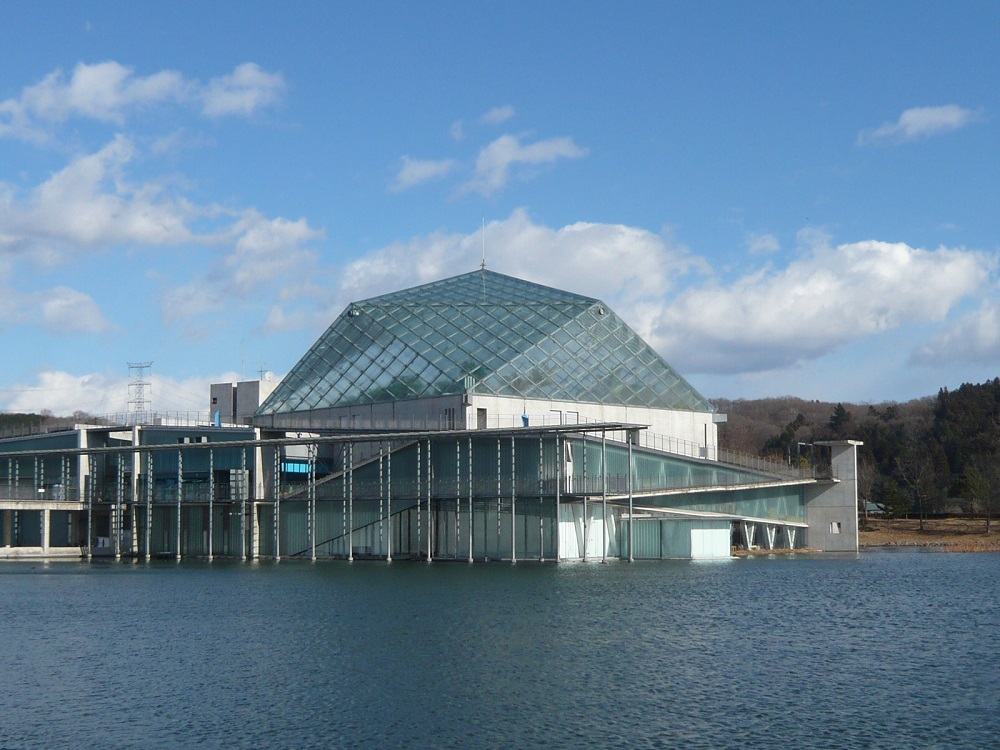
{"x": 941, "y": 534}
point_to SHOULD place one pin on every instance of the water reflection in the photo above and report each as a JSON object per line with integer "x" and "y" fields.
{"x": 873, "y": 651}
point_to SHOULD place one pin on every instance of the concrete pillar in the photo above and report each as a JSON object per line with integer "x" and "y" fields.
{"x": 832, "y": 506}
{"x": 255, "y": 531}
{"x": 46, "y": 522}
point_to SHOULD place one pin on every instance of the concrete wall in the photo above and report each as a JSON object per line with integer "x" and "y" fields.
{"x": 223, "y": 401}
{"x": 430, "y": 413}
{"x": 236, "y": 403}
{"x": 697, "y": 428}
{"x": 832, "y": 508}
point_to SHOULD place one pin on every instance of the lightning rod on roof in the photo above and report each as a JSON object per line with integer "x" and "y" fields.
{"x": 482, "y": 266}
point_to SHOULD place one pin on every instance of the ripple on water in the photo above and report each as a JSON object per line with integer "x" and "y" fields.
{"x": 879, "y": 651}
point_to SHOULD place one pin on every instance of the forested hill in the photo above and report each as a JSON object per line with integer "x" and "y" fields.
{"x": 929, "y": 455}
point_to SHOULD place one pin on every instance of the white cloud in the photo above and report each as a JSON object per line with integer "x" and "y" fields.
{"x": 417, "y": 171}
{"x": 66, "y": 311}
{"x": 762, "y": 244}
{"x": 497, "y": 115}
{"x": 111, "y": 92}
{"x": 244, "y": 91}
{"x": 974, "y": 338}
{"x": 267, "y": 257}
{"x": 89, "y": 203}
{"x": 457, "y": 131}
{"x": 63, "y": 394}
{"x": 61, "y": 311}
{"x": 830, "y": 296}
{"x": 98, "y": 394}
{"x": 612, "y": 261}
{"x": 494, "y": 162}
{"x": 920, "y": 122}
{"x": 194, "y": 299}
{"x": 268, "y": 250}
{"x": 105, "y": 91}
{"x": 280, "y": 319}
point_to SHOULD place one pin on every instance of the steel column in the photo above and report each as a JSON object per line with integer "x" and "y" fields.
{"x": 311, "y": 502}
{"x": 350, "y": 500}
{"x": 513, "y": 504}
{"x": 559, "y": 468}
{"x": 471, "y": 524}
{"x": 388, "y": 502}
{"x": 277, "y": 503}
{"x": 244, "y": 491}
{"x": 541, "y": 489}
{"x": 381, "y": 497}
{"x": 211, "y": 502}
{"x": 631, "y": 517}
{"x": 419, "y": 493}
{"x": 586, "y": 491}
{"x": 149, "y": 503}
{"x": 343, "y": 493}
{"x": 499, "y": 495}
{"x": 92, "y": 471}
{"x": 119, "y": 514}
{"x": 430, "y": 523}
{"x": 180, "y": 491}
{"x": 604, "y": 493}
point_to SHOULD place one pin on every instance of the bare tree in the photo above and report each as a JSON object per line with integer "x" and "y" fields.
{"x": 866, "y": 483}
{"x": 916, "y": 473}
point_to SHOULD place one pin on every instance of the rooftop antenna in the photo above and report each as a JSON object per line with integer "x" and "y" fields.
{"x": 482, "y": 266}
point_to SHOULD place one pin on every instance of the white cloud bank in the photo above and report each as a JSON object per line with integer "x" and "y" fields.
{"x": 60, "y": 311}
{"x": 90, "y": 203}
{"x": 98, "y": 394}
{"x": 920, "y": 122}
{"x": 974, "y": 338}
{"x": 594, "y": 259}
{"x": 776, "y": 318}
{"x": 92, "y": 206}
{"x": 110, "y": 92}
{"x": 767, "y": 319}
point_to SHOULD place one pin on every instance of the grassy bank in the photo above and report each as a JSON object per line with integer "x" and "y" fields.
{"x": 951, "y": 534}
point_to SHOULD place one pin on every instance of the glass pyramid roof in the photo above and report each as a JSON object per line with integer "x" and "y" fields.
{"x": 486, "y": 333}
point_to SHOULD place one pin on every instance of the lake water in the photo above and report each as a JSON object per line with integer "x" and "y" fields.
{"x": 882, "y": 650}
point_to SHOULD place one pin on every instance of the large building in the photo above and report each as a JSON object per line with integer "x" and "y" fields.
{"x": 477, "y": 417}
{"x": 485, "y": 350}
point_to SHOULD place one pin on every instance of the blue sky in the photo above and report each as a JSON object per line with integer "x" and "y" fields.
{"x": 784, "y": 198}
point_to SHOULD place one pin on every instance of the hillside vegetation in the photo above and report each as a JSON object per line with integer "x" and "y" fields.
{"x": 930, "y": 456}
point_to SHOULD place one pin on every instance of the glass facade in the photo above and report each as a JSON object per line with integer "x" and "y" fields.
{"x": 482, "y": 333}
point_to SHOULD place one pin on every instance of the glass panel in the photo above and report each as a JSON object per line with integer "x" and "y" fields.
{"x": 512, "y": 336}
